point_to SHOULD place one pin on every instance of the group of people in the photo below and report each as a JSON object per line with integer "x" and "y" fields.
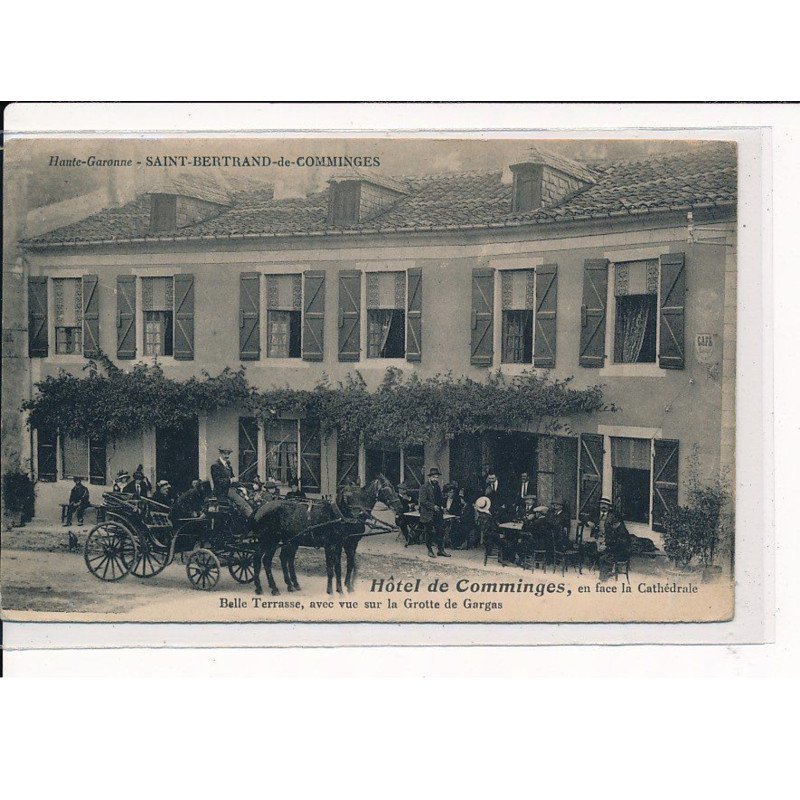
{"x": 544, "y": 528}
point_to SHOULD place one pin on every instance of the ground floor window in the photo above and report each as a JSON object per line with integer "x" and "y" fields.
{"x": 248, "y": 448}
{"x": 631, "y": 477}
{"x": 346, "y": 461}
{"x": 282, "y": 448}
{"x": 84, "y": 458}
{"x": 399, "y": 465}
{"x": 46, "y": 458}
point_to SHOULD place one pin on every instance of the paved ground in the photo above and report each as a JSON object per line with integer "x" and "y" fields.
{"x": 39, "y": 574}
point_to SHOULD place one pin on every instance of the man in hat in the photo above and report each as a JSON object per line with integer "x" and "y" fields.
{"x": 611, "y": 537}
{"x": 78, "y": 501}
{"x": 222, "y": 480}
{"x": 431, "y": 516}
{"x": 139, "y": 485}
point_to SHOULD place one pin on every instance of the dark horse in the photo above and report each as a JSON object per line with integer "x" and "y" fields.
{"x": 336, "y": 527}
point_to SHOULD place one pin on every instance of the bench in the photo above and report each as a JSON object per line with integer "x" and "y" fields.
{"x": 98, "y": 512}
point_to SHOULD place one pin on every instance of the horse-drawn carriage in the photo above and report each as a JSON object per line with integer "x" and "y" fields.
{"x": 139, "y": 536}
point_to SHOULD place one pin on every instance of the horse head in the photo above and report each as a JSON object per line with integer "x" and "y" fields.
{"x": 385, "y": 492}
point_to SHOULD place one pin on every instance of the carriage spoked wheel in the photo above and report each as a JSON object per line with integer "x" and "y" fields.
{"x": 151, "y": 557}
{"x": 110, "y": 551}
{"x": 240, "y": 564}
{"x": 202, "y": 569}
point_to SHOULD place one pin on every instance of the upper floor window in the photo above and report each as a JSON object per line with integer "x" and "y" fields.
{"x": 635, "y": 324}
{"x": 68, "y": 308}
{"x": 386, "y": 315}
{"x": 517, "y": 288}
{"x": 284, "y": 316}
{"x": 157, "y": 308}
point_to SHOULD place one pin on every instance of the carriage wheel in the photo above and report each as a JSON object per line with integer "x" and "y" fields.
{"x": 240, "y": 564}
{"x": 110, "y": 551}
{"x": 151, "y": 557}
{"x": 202, "y": 569}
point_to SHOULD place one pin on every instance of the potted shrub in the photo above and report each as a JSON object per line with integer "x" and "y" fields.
{"x": 19, "y": 497}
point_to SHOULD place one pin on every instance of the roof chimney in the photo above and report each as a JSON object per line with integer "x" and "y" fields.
{"x": 543, "y": 179}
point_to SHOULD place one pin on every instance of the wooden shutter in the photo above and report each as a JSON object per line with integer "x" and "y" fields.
{"x": 91, "y": 317}
{"x": 248, "y": 448}
{"x": 249, "y": 316}
{"x": 593, "y": 312}
{"x": 349, "y": 315}
{"x": 665, "y": 479}
{"x": 310, "y": 456}
{"x": 591, "y": 473}
{"x": 544, "y": 345}
{"x": 126, "y": 316}
{"x": 37, "y": 317}
{"x": 414, "y": 315}
{"x": 97, "y": 461}
{"x": 672, "y": 349}
{"x": 46, "y": 445}
{"x": 346, "y": 460}
{"x": 482, "y": 346}
{"x": 183, "y": 348}
{"x": 314, "y": 316}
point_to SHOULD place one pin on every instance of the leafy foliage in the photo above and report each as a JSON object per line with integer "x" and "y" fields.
{"x": 694, "y": 530}
{"x": 116, "y": 403}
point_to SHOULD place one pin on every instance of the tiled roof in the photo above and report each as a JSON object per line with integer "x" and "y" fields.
{"x": 700, "y": 177}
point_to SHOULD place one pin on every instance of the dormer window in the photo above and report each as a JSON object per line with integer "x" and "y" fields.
{"x": 345, "y": 203}
{"x": 163, "y": 213}
{"x": 527, "y": 189}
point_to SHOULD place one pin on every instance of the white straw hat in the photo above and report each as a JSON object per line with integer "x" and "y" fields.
{"x": 483, "y": 504}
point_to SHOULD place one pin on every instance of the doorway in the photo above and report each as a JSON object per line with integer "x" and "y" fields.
{"x": 630, "y": 462}
{"x": 178, "y": 454}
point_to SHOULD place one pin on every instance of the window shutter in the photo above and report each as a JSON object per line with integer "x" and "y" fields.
{"x": 593, "y": 312}
{"x": 91, "y": 316}
{"x": 346, "y": 460}
{"x": 544, "y": 345}
{"x": 314, "y": 316}
{"x": 183, "y": 348}
{"x": 126, "y": 316}
{"x": 349, "y": 315}
{"x": 482, "y": 345}
{"x": 249, "y": 316}
{"x": 591, "y": 473}
{"x": 310, "y": 456}
{"x": 37, "y": 317}
{"x": 46, "y": 445}
{"x": 665, "y": 479}
{"x": 672, "y": 349}
{"x": 414, "y": 315}
{"x": 97, "y": 461}
{"x": 248, "y": 448}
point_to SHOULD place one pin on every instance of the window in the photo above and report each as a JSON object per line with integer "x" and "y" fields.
{"x": 636, "y": 298}
{"x": 344, "y": 203}
{"x": 397, "y": 464}
{"x": 46, "y": 447}
{"x": 248, "y": 448}
{"x": 517, "y": 302}
{"x": 386, "y": 315}
{"x": 346, "y": 460}
{"x": 630, "y": 463}
{"x": 163, "y": 212}
{"x": 157, "y": 306}
{"x": 284, "y": 316}
{"x": 68, "y": 303}
{"x": 83, "y": 458}
{"x": 282, "y": 446}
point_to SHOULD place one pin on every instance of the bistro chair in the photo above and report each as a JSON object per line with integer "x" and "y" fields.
{"x": 623, "y": 567}
{"x": 569, "y": 555}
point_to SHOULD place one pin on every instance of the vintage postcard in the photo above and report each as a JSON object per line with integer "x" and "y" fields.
{"x": 375, "y": 380}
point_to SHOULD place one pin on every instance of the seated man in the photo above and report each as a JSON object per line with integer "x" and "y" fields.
{"x": 78, "y": 502}
{"x": 163, "y": 494}
{"x": 222, "y": 481}
{"x": 492, "y": 535}
{"x": 612, "y": 538}
{"x": 139, "y": 485}
{"x": 192, "y": 502}
{"x": 540, "y": 534}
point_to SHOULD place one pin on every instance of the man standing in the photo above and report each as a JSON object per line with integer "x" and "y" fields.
{"x": 431, "y": 516}
{"x": 78, "y": 501}
{"x": 222, "y": 479}
{"x": 496, "y": 492}
{"x": 523, "y": 491}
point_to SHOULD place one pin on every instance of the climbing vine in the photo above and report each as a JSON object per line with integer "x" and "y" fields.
{"x": 107, "y": 402}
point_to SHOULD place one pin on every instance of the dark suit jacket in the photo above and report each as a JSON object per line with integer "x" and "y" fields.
{"x": 430, "y": 495}
{"x": 221, "y": 476}
{"x": 618, "y": 539}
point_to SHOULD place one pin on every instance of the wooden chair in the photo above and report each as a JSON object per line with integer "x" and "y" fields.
{"x": 623, "y": 567}
{"x": 571, "y": 555}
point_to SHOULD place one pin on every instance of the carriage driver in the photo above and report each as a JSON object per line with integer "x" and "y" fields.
{"x": 222, "y": 478}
